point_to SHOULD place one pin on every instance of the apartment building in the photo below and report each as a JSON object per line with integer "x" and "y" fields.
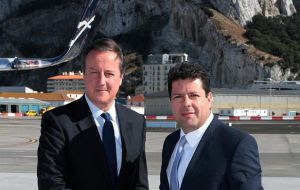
{"x": 155, "y": 70}
{"x": 67, "y": 81}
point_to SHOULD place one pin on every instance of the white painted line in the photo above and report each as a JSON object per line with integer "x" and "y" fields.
{"x": 266, "y": 118}
{"x": 288, "y": 118}
{"x": 245, "y": 118}
{"x": 223, "y": 118}
{"x": 161, "y": 117}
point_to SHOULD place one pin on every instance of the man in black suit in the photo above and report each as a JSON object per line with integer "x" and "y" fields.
{"x": 94, "y": 143}
{"x": 205, "y": 153}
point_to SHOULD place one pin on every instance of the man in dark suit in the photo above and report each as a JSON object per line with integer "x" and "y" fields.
{"x": 94, "y": 143}
{"x": 205, "y": 153}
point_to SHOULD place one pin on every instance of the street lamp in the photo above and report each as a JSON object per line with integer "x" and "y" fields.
{"x": 270, "y": 94}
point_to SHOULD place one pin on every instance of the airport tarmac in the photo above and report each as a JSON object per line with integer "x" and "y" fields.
{"x": 279, "y": 153}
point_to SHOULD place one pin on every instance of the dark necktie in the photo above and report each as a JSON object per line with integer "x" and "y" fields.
{"x": 110, "y": 146}
{"x": 174, "y": 183}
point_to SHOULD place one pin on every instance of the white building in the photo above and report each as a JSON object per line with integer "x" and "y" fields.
{"x": 235, "y": 102}
{"x": 155, "y": 71}
{"x": 276, "y": 85}
{"x": 67, "y": 81}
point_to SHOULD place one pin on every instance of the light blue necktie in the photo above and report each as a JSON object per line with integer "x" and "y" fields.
{"x": 174, "y": 184}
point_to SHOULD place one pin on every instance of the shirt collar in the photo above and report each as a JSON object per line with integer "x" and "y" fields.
{"x": 96, "y": 112}
{"x": 194, "y": 137}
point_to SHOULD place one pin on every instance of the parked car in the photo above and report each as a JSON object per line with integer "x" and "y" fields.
{"x": 43, "y": 110}
{"x": 50, "y": 108}
{"x": 31, "y": 113}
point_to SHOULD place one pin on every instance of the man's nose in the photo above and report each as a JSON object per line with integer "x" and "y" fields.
{"x": 186, "y": 101}
{"x": 101, "y": 78}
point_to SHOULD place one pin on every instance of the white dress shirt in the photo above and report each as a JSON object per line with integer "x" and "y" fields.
{"x": 193, "y": 138}
{"x": 99, "y": 121}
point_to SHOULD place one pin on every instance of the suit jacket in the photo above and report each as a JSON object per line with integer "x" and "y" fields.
{"x": 71, "y": 152}
{"x": 225, "y": 158}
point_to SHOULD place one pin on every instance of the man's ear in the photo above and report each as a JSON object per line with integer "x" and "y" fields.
{"x": 121, "y": 79}
{"x": 210, "y": 97}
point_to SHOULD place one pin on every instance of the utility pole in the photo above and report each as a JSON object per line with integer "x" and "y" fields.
{"x": 270, "y": 95}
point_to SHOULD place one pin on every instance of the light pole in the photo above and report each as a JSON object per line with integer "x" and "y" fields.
{"x": 270, "y": 94}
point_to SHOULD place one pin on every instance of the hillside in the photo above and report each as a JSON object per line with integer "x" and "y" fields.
{"x": 236, "y": 34}
{"x": 30, "y": 29}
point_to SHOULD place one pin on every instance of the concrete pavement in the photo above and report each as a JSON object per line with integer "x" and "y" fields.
{"x": 279, "y": 153}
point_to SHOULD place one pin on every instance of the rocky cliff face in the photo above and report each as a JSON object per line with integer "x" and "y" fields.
{"x": 242, "y": 11}
{"x": 124, "y": 16}
{"x": 41, "y": 28}
{"x": 230, "y": 61}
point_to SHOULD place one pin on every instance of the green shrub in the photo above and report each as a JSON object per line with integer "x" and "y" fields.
{"x": 279, "y": 36}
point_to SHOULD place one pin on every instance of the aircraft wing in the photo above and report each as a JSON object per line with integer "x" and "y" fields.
{"x": 73, "y": 50}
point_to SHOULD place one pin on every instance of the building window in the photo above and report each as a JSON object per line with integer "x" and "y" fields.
{"x": 3, "y": 108}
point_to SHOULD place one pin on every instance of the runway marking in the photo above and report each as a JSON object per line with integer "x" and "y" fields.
{"x": 29, "y": 156}
{"x": 29, "y": 141}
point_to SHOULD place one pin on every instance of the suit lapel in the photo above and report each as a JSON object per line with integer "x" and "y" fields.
{"x": 126, "y": 130}
{"x": 201, "y": 149}
{"x": 170, "y": 149}
{"x": 167, "y": 153}
{"x": 127, "y": 136}
{"x": 88, "y": 128}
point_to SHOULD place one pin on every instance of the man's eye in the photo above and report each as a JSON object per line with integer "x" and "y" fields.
{"x": 109, "y": 74}
{"x": 194, "y": 95}
{"x": 176, "y": 97}
{"x": 92, "y": 71}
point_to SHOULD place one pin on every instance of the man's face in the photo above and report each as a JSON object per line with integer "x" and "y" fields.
{"x": 102, "y": 77}
{"x": 189, "y": 104}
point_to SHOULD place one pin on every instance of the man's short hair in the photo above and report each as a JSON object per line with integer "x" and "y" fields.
{"x": 104, "y": 44}
{"x": 188, "y": 71}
